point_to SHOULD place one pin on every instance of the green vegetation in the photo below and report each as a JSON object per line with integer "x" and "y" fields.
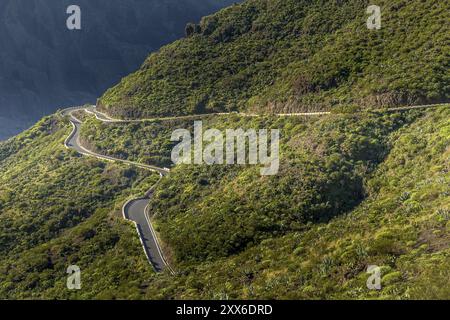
{"x": 58, "y": 209}
{"x": 209, "y": 212}
{"x": 355, "y": 188}
{"x": 141, "y": 142}
{"x": 402, "y": 225}
{"x": 294, "y": 55}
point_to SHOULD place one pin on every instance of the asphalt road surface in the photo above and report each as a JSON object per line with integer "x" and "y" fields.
{"x": 135, "y": 210}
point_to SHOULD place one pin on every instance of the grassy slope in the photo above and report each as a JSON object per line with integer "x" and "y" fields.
{"x": 58, "y": 209}
{"x": 291, "y": 55}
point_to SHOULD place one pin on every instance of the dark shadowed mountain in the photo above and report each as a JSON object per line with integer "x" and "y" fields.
{"x": 44, "y": 66}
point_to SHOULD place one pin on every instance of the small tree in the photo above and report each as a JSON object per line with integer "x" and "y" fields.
{"x": 191, "y": 29}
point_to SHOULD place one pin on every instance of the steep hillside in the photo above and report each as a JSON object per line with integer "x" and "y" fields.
{"x": 291, "y": 55}
{"x": 356, "y": 187}
{"x": 400, "y": 224}
{"x": 353, "y": 191}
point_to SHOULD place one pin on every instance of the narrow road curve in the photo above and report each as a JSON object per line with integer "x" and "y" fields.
{"x": 134, "y": 210}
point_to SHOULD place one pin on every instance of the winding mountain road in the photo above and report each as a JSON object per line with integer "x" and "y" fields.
{"x": 136, "y": 210}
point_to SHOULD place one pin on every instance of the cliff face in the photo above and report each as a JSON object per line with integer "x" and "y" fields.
{"x": 44, "y": 66}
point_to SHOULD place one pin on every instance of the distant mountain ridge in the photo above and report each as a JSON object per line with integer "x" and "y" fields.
{"x": 44, "y": 66}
